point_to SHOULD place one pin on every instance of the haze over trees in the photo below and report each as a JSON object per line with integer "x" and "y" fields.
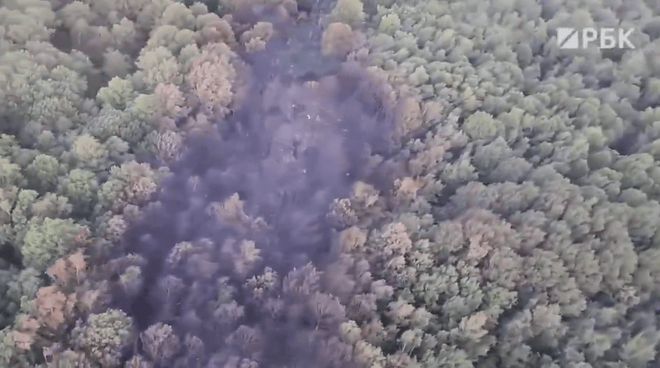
{"x": 350, "y": 183}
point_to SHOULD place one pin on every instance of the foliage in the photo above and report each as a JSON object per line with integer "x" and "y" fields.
{"x": 358, "y": 183}
{"x": 104, "y": 336}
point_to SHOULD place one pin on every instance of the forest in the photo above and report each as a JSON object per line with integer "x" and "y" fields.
{"x": 328, "y": 184}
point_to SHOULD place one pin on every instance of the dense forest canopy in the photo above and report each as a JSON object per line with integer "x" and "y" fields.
{"x": 328, "y": 184}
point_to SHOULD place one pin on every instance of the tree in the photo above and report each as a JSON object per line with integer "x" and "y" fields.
{"x": 212, "y": 77}
{"x": 43, "y": 171}
{"x": 103, "y": 336}
{"x": 348, "y": 11}
{"x": 338, "y": 40}
{"x": 131, "y": 183}
{"x": 80, "y": 188}
{"x": 49, "y": 239}
{"x": 160, "y": 343}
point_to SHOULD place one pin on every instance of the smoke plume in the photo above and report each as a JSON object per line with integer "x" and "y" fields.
{"x": 232, "y": 250}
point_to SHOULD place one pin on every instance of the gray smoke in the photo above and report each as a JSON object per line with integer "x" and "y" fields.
{"x": 306, "y": 131}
